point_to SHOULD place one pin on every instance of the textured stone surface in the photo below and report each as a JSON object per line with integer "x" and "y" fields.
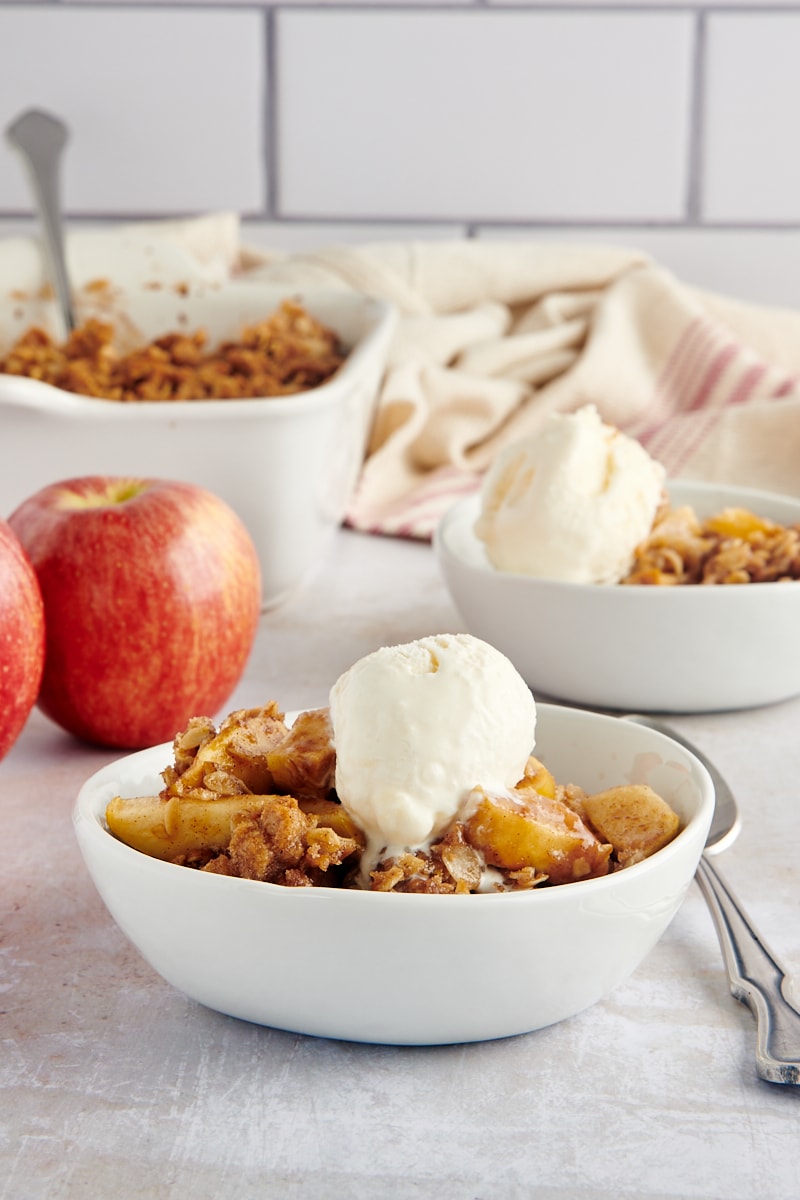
{"x": 114, "y": 1084}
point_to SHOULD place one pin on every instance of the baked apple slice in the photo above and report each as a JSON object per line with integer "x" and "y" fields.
{"x": 528, "y": 829}
{"x": 633, "y": 818}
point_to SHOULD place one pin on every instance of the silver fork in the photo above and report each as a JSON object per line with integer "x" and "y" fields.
{"x": 756, "y": 976}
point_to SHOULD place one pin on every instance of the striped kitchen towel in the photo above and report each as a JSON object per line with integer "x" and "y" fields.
{"x": 495, "y": 336}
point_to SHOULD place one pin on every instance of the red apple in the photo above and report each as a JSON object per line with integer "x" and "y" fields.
{"x": 21, "y": 638}
{"x": 152, "y": 593}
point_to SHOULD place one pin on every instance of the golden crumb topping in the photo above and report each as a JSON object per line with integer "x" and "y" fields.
{"x": 733, "y": 546}
{"x": 288, "y": 352}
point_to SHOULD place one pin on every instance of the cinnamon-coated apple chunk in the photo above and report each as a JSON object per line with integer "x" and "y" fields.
{"x": 180, "y": 827}
{"x": 304, "y": 762}
{"x": 738, "y": 523}
{"x": 538, "y": 777}
{"x": 633, "y": 818}
{"x": 527, "y": 829}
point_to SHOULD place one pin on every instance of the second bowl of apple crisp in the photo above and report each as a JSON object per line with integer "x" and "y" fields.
{"x": 706, "y": 620}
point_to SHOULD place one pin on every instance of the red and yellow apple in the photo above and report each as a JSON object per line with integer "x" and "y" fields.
{"x": 21, "y": 638}
{"x": 152, "y": 594}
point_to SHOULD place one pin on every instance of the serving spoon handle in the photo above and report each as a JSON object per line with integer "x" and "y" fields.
{"x": 40, "y": 138}
{"x": 756, "y": 978}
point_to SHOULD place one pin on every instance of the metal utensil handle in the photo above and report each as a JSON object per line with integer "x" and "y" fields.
{"x": 756, "y": 979}
{"x": 40, "y": 138}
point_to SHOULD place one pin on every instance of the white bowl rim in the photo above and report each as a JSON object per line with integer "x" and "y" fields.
{"x": 468, "y": 507}
{"x": 89, "y": 823}
{"x": 47, "y": 397}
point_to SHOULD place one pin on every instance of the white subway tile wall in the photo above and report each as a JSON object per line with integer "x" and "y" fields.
{"x": 483, "y": 115}
{"x": 751, "y": 168}
{"x": 666, "y": 125}
{"x": 166, "y": 106}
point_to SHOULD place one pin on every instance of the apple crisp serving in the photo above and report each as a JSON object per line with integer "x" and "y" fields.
{"x": 255, "y": 799}
{"x": 733, "y": 546}
{"x": 289, "y": 351}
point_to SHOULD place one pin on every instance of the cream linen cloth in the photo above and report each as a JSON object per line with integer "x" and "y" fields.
{"x": 494, "y": 336}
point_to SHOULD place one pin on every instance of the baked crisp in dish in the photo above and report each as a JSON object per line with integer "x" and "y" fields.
{"x": 733, "y": 546}
{"x": 288, "y": 352}
{"x": 256, "y": 799}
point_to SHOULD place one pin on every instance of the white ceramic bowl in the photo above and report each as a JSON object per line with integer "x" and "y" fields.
{"x": 662, "y": 649}
{"x": 287, "y": 465}
{"x": 407, "y": 968}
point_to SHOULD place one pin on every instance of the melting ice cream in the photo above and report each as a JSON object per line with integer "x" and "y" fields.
{"x": 571, "y": 502}
{"x": 418, "y": 726}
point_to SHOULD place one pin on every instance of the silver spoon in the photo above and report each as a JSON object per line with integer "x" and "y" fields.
{"x": 756, "y": 976}
{"x": 40, "y": 138}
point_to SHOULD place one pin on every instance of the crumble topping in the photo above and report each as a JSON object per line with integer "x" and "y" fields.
{"x": 733, "y": 546}
{"x": 288, "y": 352}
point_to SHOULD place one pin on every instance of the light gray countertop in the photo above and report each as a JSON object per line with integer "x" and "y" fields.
{"x": 112, "y": 1084}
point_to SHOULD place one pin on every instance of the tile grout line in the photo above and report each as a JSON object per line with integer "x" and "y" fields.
{"x": 269, "y": 108}
{"x": 696, "y": 149}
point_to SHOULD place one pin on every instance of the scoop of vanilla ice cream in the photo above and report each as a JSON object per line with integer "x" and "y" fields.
{"x": 571, "y": 502}
{"x": 417, "y": 727}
